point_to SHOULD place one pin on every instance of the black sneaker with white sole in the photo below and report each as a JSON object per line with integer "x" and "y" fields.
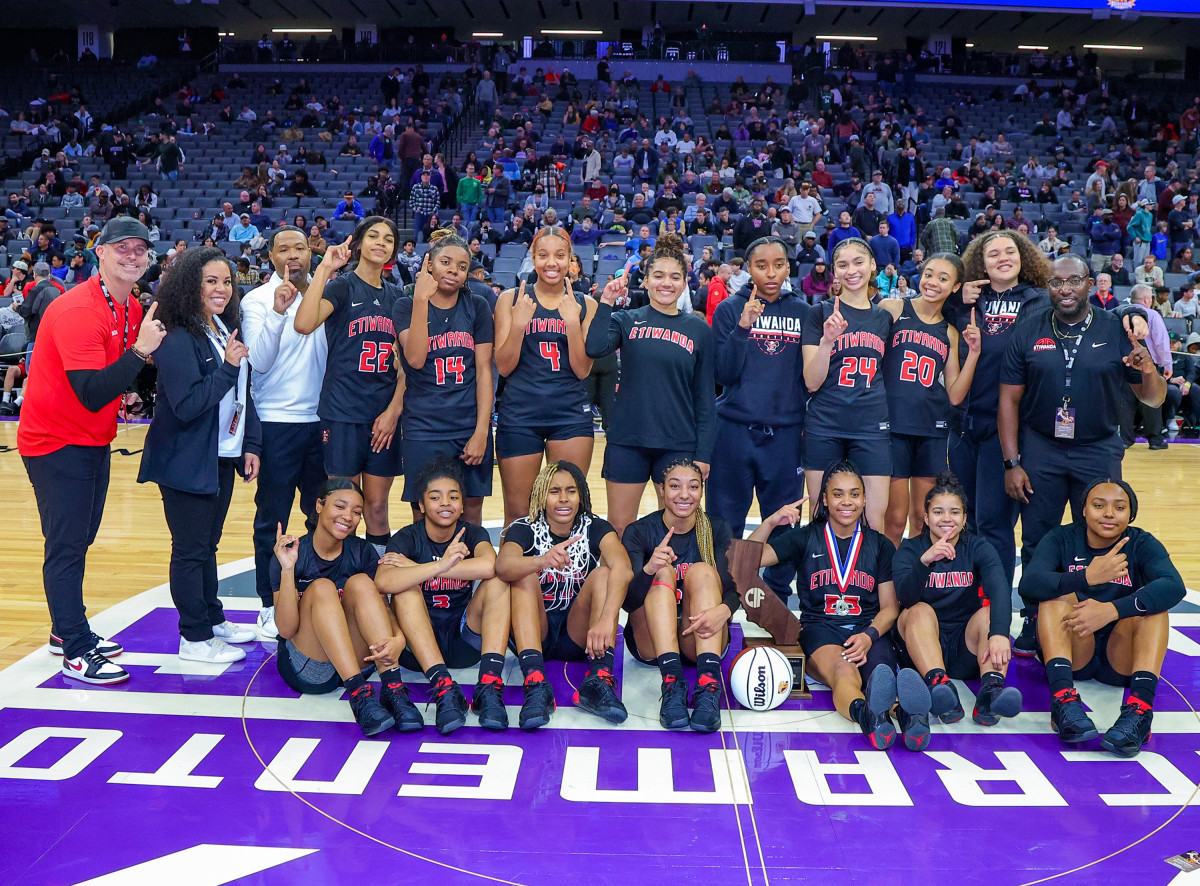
{"x": 94, "y": 668}
{"x": 107, "y": 648}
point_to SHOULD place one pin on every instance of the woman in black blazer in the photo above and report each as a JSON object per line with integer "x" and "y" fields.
{"x": 204, "y": 430}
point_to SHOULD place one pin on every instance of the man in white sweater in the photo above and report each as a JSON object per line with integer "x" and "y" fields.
{"x": 288, "y": 371}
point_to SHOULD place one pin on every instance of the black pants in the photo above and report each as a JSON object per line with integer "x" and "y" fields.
{"x": 1059, "y": 471}
{"x": 976, "y": 458}
{"x": 601, "y": 386}
{"x": 291, "y": 459}
{"x": 70, "y": 486}
{"x": 1132, "y": 411}
{"x": 195, "y": 522}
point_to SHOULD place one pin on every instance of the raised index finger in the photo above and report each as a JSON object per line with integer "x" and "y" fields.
{"x": 972, "y": 316}
{"x": 458, "y": 537}
{"x": 1117, "y": 547}
{"x": 837, "y": 304}
{"x": 287, "y": 274}
{"x": 150, "y": 311}
{"x": 667, "y": 537}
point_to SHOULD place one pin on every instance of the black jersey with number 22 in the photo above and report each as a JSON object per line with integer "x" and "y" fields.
{"x": 360, "y": 379}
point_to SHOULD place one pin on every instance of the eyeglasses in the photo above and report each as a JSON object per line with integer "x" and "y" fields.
{"x": 1058, "y": 283}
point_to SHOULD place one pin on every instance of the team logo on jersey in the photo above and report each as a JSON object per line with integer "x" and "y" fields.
{"x": 1044, "y": 344}
{"x": 1002, "y": 314}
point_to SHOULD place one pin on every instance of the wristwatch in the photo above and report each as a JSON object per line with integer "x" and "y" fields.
{"x": 1010, "y": 463}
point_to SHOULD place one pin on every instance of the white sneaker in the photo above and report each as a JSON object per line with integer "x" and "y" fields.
{"x": 266, "y": 624}
{"x": 231, "y": 632}
{"x": 214, "y": 651}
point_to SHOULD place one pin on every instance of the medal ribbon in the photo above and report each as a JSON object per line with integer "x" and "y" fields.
{"x": 843, "y": 570}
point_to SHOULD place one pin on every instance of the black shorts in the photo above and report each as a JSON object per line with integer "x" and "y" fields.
{"x": 347, "y": 451}
{"x": 557, "y": 644}
{"x": 960, "y": 663}
{"x": 914, "y": 456}
{"x": 418, "y": 453}
{"x": 512, "y": 442}
{"x": 632, "y": 647}
{"x": 873, "y": 457}
{"x": 460, "y": 646}
{"x": 303, "y": 674}
{"x": 637, "y": 464}
{"x": 1099, "y": 668}
{"x": 816, "y": 633}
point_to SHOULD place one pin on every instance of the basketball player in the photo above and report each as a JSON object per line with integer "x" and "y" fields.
{"x": 287, "y": 369}
{"x": 681, "y": 598}
{"x": 847, "y": 606}
{"x": 1105, "y": 589}
{"x": 760, "y": 413}
{"x": 923, "y": 379}
{"x": 330, "y": 618}
{"x": 544, "y": 406}
{"x": 665, "y": 406}
{"x": 468, "y": 607}
{"x": 1006, "y": 278}
{"x": 844, "y": 341}
{"x": 445, "y": 333}
{"x": 956, "y": 609}
{"x": 361, "y": 395}
{"x": 568, "y": 576}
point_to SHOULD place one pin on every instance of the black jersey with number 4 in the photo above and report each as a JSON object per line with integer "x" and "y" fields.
{"x": 917, "y": 352}
{"x": 414, "y": 543}
{"x": 543, "y": 389}
{"x": 1060, "y": 562}
{"x": 852, "y": 402}
{"x": 356, "y": 556}
{"x": 360, "y": 379}
{"x": 955, "y": 589}
{"x": 560, "y": 586}
{"x": 439, "y": 398}
{"x": 805, "y": 548}
{"x": 643, "y": 536}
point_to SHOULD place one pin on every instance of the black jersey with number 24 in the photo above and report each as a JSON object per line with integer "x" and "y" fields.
{"x": 852, "y": 402}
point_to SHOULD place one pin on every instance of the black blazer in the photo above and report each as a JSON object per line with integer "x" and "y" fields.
{"x": 181, "y": 445}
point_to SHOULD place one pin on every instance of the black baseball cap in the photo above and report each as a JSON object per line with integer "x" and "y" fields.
{"x": 123, "y": 227}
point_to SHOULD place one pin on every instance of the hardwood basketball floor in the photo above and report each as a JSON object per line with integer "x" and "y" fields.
{"x": 133, "y": 547}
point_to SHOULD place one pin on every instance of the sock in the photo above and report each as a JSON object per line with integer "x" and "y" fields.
{"x": 533, "y": 666}
{"x": 355, "y": 683}
{"x": 708, "y": 664}
{"x": 1142, "y": 686}
{"x": 390, "y": 677}
{"x": 8, "y": 396}
{"x": 490, "y": 665}
{"x": 437, "y": 673}
{"x": 670, "y": 666}
{"x": 991, "y": 680}
{"x": 936, "y": 676}
{"x": 603, "y": 663}
{"x": 1059, "y": 675}
{"x": 379, "y": 542}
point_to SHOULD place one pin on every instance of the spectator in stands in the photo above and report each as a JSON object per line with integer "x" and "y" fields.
{"x": 884, "y": 201}
{"x": 867, "y": 218}
{"x": 1184, "y": 263}
{"x": 244, "y": 231}
{"x": 1186, "y": 305}
{"x": 885, "y": 247}
{"x": 750, "y": 227}
{"x": 349, "y": 208}
{"x": 351, "y": 148}
{"x": 469, "y": 194}
{"x": 1149, "y": 272}
{"x": 1052, "y": 243}
{"x": 100, "y": 208}
{"x": 940, "y": 235}
{"x": 1104, "y": 297}
{"x": 1140, "y": 230}
{"x": 300, "y": 186}
{"x": 1117, "y": 272}
{"x": 424, "y": 198}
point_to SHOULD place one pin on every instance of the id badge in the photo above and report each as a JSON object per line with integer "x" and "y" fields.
{"x": 1064, "y": 424}
{"x": 237, "y": 417}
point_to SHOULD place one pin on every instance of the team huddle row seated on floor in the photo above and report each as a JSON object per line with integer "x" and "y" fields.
{"x": 318, "y": 382}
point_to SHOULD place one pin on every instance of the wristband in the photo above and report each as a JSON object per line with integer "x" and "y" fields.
{"x": 145, "y": 358}
{"x": 872, "y": 633}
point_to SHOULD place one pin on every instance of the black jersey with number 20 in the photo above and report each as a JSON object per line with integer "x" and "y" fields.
{"x": 360, "y": 379}
{"x": 912, "y": 370}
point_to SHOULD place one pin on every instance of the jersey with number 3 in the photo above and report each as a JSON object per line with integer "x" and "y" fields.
{"x": 360, "y": 379}
{"x": 852, "y": 401}
{"x": 439, "y": 398}
{"x": 442, "y": 594}
{"x": 543, "y": 388}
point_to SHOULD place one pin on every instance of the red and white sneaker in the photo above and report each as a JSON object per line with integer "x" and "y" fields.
{"x": 107, "y": 648}
{"x": 92, "y": 667}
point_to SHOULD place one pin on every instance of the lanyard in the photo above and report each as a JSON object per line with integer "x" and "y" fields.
{"x": 1069, "y": 355}
{"x": 112, "y": 306}
{"x": 843, "y": 570}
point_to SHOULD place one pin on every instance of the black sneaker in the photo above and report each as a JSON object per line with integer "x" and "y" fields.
{"x": 597, "y": 694}
{"x": 372, "y": 717}
{"x": 107, "y": 648}
{"x": 92, "y": 667}
{"x": 706, "y": 704}
{"x": 1068, "y": 718}
{"x": 944, "y": 702}
{"x": 994, "y": 702}
{"x": 1026, "y": 645}
{"x": 488, "y": 702}
{"x": 1132, "y": 729}
{"x": 673, "y": 709}
{"x": 538, "y": 704}
{"x": 914, "y": 699}
{"x": 451, "y": 706}
{"x": 394, "y": 697}
{"x": 881, "y": 695}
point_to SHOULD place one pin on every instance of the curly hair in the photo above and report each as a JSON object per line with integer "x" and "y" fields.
{"x": 1035, "y": 270}
{"x": 178, "y": 297}
{"x": 668, "y": 246}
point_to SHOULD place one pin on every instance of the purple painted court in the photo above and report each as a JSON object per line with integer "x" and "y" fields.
{"x": 221, "y": 774}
